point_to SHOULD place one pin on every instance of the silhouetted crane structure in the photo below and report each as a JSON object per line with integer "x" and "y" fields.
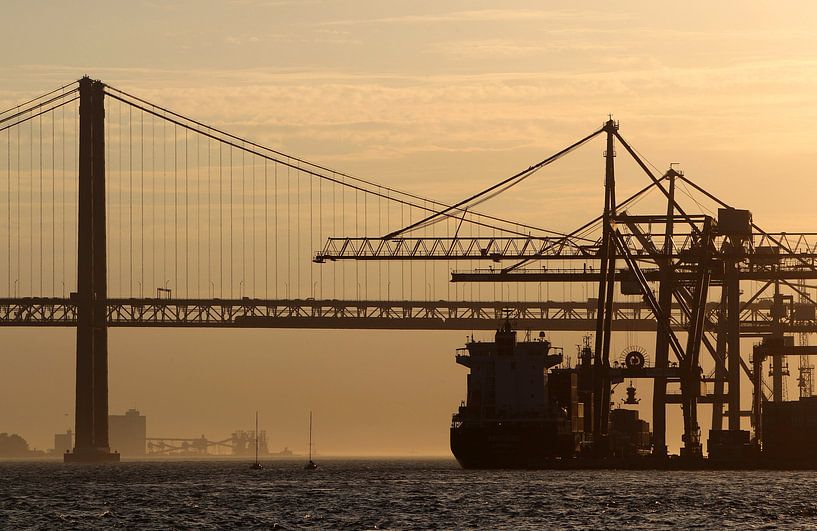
{"x": 686, "y": 253}
{"x": 108, "y": 197}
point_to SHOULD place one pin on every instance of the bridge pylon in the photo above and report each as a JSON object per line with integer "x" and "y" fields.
{"x": 91, "y": 444}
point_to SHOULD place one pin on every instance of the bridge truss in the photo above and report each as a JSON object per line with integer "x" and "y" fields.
{"x": 554, "y": 316}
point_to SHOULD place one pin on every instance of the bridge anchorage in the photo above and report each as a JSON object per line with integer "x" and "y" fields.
{"x": 113, "y": 197}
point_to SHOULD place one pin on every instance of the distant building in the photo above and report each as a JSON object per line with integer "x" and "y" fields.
{"x": 127, "y": 433}
{"x": 63, "y": 442}
{"x": 243, "y": 442}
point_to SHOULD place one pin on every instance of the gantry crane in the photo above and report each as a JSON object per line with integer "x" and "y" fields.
{"x": 686, "y": 253}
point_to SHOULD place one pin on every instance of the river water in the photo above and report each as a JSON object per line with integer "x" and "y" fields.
{"x": 394, "y": 494}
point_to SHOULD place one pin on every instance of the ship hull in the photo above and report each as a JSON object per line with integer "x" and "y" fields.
{"x": 510, "y": 445}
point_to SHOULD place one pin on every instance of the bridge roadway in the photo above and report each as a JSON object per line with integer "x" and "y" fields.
{"x": 367, "y": 314}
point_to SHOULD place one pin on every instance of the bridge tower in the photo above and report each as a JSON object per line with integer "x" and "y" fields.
{"x": 91, "y": 444}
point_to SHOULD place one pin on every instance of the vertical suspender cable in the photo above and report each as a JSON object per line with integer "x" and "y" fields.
{"x": 275, "y": 227}
{"x": 40, "y": 197}
{"x": 379, "y": 231}
{"x": 231, "y": 222}
{"x": 243, "y": 224}
{"x": 266, "y": 233}
{"x": 342, "y": 268}
{"x": 209, "y": 220}
{"x": 8, "y": 215}
{"x": 8, "y": 195}
{"x": 252, "y": 223}
{"x": 334, "y": 231}
{"x": 289, "y": 233}
{"x": 357, "y": 262}
{"x": 53, "y": 205}
{"x": 320, "y": 231}
{"x": 142, "y": 202}
{"x": 31, "y": 205}
{"x": 120, "y": 202}
{"x": 220, "y": 219}
{"x": 63, "y": 186}
{"x": 19, "y": 219}
{"x": 175, "y": 208}
{"x": 311, "y": 283}
{"x": 130, "y": 196}
{"x": 197, "y": 211}
{"x": 298, "y": 228}
{"x": 311, "y": 272}
{"x": 165, "y": 205}
{"x": 186, "y": 221}
{"x": 402, "y": 262}
{"x": 154, "y": 198}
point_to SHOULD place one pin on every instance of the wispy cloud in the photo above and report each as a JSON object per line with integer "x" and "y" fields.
{"x": 486, "y": 15}
{"x": 360, "y": 115}
{"x": 504, "y": 48}
{"x": 479, "y": 126}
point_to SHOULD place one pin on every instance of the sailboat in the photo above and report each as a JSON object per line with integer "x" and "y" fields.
{"x": 311, "y": 465}
{"x": 257, "y": 465}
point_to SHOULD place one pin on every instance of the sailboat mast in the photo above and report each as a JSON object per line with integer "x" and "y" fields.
{"x": 256, "y": 436}
{"x": 310, "y": 436}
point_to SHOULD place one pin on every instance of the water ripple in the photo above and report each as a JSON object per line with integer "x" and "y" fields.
{"x": 427, "y": 494}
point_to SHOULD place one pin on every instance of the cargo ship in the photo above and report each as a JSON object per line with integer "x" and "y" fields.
{"x": 526, "y": 408}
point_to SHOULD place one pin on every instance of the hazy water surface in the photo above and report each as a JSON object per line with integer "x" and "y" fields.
{"x": 394, "y": 494}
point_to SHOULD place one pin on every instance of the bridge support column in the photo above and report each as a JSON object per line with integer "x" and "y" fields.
{"x": 91, "y": 444}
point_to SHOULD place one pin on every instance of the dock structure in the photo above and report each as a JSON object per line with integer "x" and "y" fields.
{"x": 693, "y": 257}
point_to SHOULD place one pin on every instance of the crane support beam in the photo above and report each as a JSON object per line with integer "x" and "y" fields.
{"x": 454, "y": 248}
{"x": 588, "y": 275}
{"x": 801, "y": 248}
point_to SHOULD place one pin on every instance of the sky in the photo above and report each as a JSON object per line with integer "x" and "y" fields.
{"x": 439, "y": 98}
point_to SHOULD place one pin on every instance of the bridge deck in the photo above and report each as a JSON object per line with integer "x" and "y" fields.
{"x": 365, "y": 314}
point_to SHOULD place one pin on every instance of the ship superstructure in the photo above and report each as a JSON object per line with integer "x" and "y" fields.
{"x": 509, "y": 419}
{"x": 526, "y": 409}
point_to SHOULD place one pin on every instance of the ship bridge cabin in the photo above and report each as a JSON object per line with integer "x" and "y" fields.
{"x": 508, "y": 378}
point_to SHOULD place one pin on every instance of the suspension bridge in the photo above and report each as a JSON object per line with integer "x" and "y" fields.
{"x": 123, "y": 213}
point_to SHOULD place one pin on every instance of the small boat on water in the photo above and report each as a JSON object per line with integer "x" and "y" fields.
{"x": 257, "y": 465}
{"x": 311, "y": 465}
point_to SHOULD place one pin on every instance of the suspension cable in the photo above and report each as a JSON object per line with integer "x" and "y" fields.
{"x": 241, "y": 143}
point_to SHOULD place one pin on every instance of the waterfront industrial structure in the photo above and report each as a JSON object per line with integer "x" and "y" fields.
{"x": 687, "y": 254}
{"x": 701, "y": 261}
{"x": 241, "y": 443}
